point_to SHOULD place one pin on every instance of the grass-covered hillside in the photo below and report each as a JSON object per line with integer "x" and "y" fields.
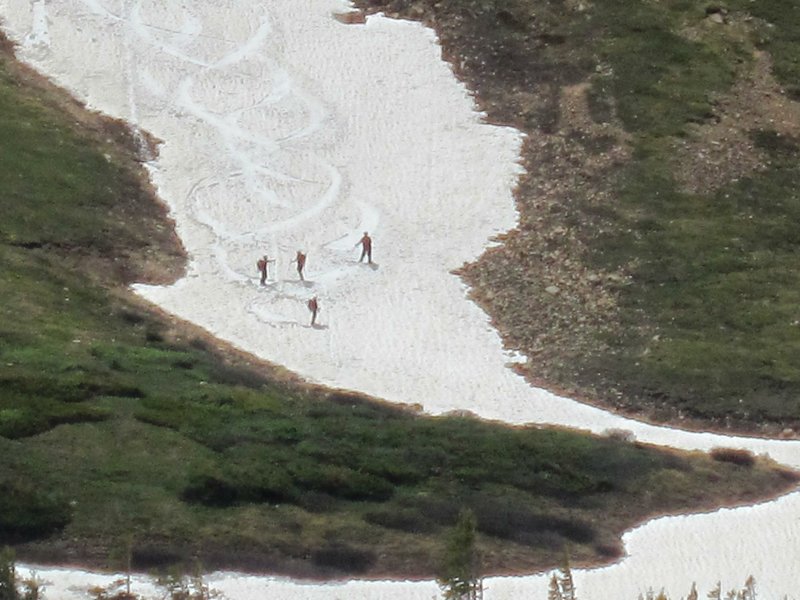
{"x": 656, "y": 263}
{"x": 123, "y": 432}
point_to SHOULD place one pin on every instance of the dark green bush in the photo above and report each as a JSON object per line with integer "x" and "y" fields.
{"x": 41, "y": 416}
{"x": 504, "y": 518}
{"x": 153, "y": 555}
{"x": 401, "y": 519}
{"x": 342, "y": 482}
{"x": 211, "y": 491}
{"x": 343, "y": 558}
{"x": 27, "y": 513}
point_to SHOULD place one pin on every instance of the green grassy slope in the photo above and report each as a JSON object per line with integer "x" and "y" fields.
{"x": 714, "y": 274}
{"x": 119, "y": 428}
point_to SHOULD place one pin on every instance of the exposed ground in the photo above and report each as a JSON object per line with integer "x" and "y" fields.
{"x": 653, "y": 270}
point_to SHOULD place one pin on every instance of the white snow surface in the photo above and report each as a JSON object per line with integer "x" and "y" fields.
{"x": 285, "y": 129}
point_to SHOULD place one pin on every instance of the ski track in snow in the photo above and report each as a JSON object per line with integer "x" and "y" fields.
{"x": 284, "y": 129}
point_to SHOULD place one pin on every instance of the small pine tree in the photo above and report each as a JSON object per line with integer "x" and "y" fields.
{"x": 554, "y": 591}
{"x": 716, "y": 593}
{"x": 651, "y": 595}
{"x": 567, "y": 584}
{"x": 179, "y": 586}
{"x": 32, "y": 589}
{"x": 8, "y": 575}
{"x": 459, "y": 579}
{"x": 121, "y": 557}
{"x": 11, "y": 588}
{"x": 749, "y": 591}
{"x": 562, "y": 587}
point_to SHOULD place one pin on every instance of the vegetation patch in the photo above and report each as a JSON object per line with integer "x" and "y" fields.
{"x": 27, "y": 513}
{"x": 743, "y": 458}
{"x": 653, "y": 268}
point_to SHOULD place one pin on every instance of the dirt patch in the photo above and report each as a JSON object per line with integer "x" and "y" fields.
{"x": 540, "y": 286}
{"x": 354, "y": 17}
{"x": 722, "y": 151}
{"x": 545, "y": 299}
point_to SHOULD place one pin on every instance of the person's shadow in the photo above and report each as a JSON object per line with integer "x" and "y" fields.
{"x": 318, "y": 326}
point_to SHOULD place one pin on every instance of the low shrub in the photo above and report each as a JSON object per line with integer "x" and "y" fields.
{"x": 219, "y": 493}
{"x": 153, "y": 555}
{"x": 736, "y": 456}
{"x": 401, "y": 519}
{"x": 27, "y": 513}
{"x": 620, "y": 435}
{"x": 316, "y": 502}
{"x": 441, "y": 509}
{"x": 211, "y": 491}
{"x": 344, "y": 558}
{"x": 507, "y": 520}
{"x": 18, "y": 423}
{"x": 131, "y": 317}
{"x": 341, "y": 482}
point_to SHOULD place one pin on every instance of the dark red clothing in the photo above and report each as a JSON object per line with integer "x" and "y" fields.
{"x": 262, "y": 267}
{"x": 301, "y": 262}
{"x": 366, "y": 248}
{"x": 313, "y": 306}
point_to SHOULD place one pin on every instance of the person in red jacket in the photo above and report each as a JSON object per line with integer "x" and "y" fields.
{"x": 366, "y": 248}
{"x": 301, "y": 262}
{"x": 313, "y": 306}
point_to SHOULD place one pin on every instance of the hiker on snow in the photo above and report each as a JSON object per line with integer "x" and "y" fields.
{"x": 366, "y": 248}
{"x": 301, "y": 262}
{"x": 262, "y": 265}
{"x": 313, "y": 306}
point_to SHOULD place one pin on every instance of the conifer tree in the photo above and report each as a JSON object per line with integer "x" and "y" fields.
{"x": 460, "y": 578}
{"x": 554, "y": 591}
{"x": 8, "y": 575}
{"x": 693, "y": 592}
{"x": 716, "y": 593}
{"x": 566, "y": 582}
{"x": 749, "y": 591}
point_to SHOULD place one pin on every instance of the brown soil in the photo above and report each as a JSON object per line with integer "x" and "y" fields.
{"x": 537, "y": 286}
{"x": 564, "y": 302}
{"x": 718, "y": 153}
